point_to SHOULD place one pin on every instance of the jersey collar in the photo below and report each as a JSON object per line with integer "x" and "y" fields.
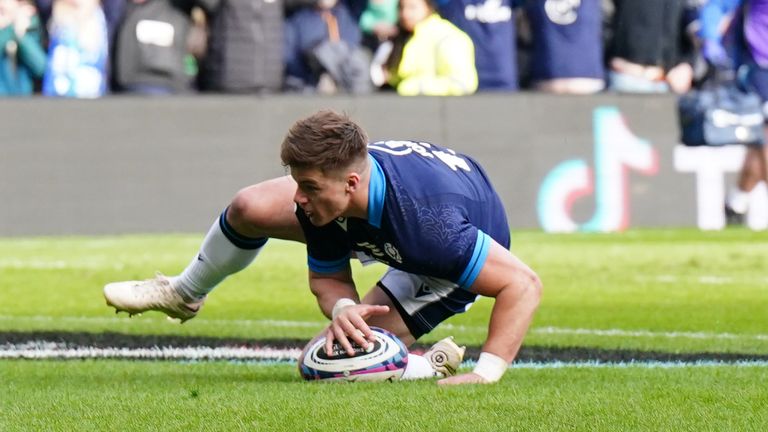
{"x": 377, "y": 188}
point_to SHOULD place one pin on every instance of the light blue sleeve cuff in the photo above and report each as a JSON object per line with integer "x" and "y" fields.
{"x": 479, "y": 255}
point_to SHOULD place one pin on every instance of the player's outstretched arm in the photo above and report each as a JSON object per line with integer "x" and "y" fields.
{"x": 517, "y": 290}
{"x": 338, "y": 299}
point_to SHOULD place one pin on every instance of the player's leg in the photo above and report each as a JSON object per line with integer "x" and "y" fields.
{"x": 257, "y": 213}
{"x": 417, "y": 305}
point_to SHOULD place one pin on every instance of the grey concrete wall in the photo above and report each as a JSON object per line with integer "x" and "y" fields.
{"x": 124, "y": 165}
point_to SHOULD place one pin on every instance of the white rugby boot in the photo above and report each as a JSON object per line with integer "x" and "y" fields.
{"x": 445, "y": 356}
{"x": 156, "y": 294}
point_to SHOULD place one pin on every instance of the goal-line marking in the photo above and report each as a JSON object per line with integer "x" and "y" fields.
{"x": 269, "y": 323}
{"x": 44, "y": 350}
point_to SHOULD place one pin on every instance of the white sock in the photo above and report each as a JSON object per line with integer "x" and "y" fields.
{"x": 223, "y": 252}
{"x": 738, "y": 200}
{"x": 418, "y": 368}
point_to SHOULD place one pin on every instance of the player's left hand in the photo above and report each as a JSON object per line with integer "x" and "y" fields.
{"x": 350, "y": 324}
{"x": 466, "y": 378}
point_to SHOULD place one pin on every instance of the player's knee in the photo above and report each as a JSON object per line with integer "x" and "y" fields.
{"x": 246, "y": 211}
{"x": 537, "y": 287}
{"x": 532, "y": 287}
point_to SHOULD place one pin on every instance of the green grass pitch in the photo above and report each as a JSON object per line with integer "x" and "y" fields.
{"x": 675, "y": 291}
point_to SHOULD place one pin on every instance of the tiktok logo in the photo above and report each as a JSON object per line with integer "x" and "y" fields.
{"x": 617, "y": 151}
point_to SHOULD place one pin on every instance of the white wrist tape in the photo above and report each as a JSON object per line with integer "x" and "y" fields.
{"x": 341, "y": 304}
{"x": 490, "y": 367}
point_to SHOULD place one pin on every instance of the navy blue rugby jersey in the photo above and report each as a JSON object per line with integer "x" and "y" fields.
{"x": 431, "y": 211}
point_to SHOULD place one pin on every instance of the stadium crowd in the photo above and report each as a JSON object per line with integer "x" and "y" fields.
{"x": 89, "y": 48}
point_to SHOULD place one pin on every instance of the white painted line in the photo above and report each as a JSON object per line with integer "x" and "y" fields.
{"x": 666, "y": 278}
{"x": 57, "y": 264}
{"x": 646, "y": 333}
{"x": 268, "y": 323}
{"x": 715, "y": 280}
{"x": 702, "y": 279}
{"x": 157, "y": 318}
{"x": 50, "y": 350}
{"x": 639, "y": 364}
{"x": 43, "y": 350}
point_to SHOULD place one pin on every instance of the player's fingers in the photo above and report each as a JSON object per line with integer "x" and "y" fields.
{"x": 329, "y": 338}
{"x": 352, "y": 328}
{"x": 341, "y": 338}
{"x": 363, "y": 333}
{"x": 370, "y": 310}
{"x": 376, "y": 310}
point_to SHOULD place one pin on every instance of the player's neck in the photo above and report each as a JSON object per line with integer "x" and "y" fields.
{"x": 358, "y": 204}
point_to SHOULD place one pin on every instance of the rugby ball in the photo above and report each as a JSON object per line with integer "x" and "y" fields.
{"x": 385, "y": 360}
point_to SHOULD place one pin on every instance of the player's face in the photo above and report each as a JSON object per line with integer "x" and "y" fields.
{"x": 323, "y": 197}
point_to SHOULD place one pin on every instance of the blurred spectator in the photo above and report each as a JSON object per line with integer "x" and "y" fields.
{"x": 491, "y": 26}
{"x": 430, "y": 56}
{"x": 245, "y": 47}
{"x": 113, "y": 13}
{"x": 77, "y": 50}
{"x": 356, "y": 8}
{"x": 323, "y": 51}
{"x": 378, "y": 22}
{"x": 152, "y": 52}
{"x": 22, "y": 59}
{"x": 292, "y": 6}
{"x": 567, "y": 47}
{"x": 650, "y": 51}
{"x": 745, "y": 24}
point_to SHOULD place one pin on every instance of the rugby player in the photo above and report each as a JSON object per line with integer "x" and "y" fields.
{"x": 427, "y": 212}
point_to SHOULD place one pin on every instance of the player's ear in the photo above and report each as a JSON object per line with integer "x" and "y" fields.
{"x": 353, "y": 182}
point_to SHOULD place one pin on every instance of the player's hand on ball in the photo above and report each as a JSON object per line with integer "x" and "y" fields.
{"x": 350, "y": 324}
{"x": 467, "y": 378}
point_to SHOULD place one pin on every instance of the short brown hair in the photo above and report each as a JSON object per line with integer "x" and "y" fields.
{"x": 325, "y": 140}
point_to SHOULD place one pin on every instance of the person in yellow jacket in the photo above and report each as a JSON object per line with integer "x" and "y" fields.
{"x": 430, "y": 56}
